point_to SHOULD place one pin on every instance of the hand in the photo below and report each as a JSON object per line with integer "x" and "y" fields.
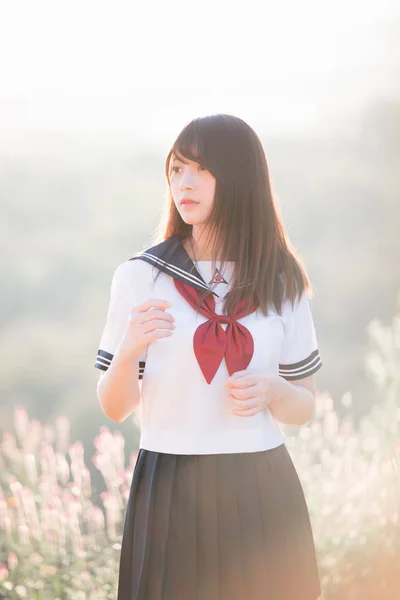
{"x": 147, "y": 322}
{"x": 252, "y": 390}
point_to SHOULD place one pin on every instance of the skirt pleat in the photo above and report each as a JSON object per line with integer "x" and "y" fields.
{"x": 217, "y": 527}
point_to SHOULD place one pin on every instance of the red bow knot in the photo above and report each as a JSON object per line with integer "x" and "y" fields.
{"x": 211, "y": 342}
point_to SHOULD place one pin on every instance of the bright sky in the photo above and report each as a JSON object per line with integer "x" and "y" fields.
{"x": 146, "y": 68}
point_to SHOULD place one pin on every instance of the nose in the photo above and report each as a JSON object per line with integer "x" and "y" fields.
{"x": 186, "y": 181}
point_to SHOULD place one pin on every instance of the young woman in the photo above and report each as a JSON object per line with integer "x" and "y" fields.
{"x": 209, "y": 332}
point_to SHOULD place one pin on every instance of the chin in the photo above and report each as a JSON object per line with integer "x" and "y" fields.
{"x": 191, "y": 220}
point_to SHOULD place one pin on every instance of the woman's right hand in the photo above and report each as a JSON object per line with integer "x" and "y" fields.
{"x": 148, "y": 322}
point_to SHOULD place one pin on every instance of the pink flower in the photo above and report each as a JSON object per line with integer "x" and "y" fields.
{"x": 12, "y": 561}
{"x": 3, "y": 572}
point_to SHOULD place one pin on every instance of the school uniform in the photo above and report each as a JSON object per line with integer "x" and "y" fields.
{"x": 216, "y": 510}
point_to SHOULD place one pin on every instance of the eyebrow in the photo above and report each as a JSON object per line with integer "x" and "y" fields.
{"x": 182, "y": 160}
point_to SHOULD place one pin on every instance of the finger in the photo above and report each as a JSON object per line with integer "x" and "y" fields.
{"x": 152, "y": 336}
{"x": 245, "y": 413}
{"x": 153, "y": 325}
{"x": 237, "y": 374}
{"x": 250, "y": 391}
{"x": 244, "y": 394}
{"x": 245, "y": 381}
{"x": 244, "y": 404}
{"x": 153, "y": 314}
{"x": 153, "y": 303}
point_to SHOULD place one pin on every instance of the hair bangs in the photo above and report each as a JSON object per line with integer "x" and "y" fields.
{"x": 197, "y": 142}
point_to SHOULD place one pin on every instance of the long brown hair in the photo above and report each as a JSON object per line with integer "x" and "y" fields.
{"x": 244, "y": 225}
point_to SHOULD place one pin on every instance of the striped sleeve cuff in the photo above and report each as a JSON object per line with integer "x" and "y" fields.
{"x": 301, "y": 369}
{"x": 104, "y": 359}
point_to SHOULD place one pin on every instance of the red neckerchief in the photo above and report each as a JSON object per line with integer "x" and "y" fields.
{"x": 211, "y": 342}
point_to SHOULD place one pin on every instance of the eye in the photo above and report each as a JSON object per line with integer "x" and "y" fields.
{"x": 174, "y": 169}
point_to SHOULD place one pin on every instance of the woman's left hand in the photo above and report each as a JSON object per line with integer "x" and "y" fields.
{"x": 252, "y": 390}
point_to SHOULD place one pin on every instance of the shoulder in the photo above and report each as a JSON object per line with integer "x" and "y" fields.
{"x": 139, "y": 270}
{"x": 298, "y": 309}
{"x": 131, "y": 271}
{"x": 134, "y": 279}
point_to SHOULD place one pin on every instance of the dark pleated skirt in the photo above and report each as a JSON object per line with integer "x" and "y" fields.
{"x": 217, "y": 527}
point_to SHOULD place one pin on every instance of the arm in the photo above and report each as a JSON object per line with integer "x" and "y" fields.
{"x": 298, "y": 362}
{"x": 129, "y": 329}
{"x": 118, "y": 388}
{"x": 295, "y": 402}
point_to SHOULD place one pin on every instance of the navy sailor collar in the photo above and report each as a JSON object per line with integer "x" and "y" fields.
{"x": 171, "y": 257}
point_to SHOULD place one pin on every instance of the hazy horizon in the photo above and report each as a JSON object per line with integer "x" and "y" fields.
{"x": 305, "y": 69}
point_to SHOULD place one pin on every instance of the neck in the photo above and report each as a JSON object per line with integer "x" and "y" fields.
{"x": 198, "y": 246}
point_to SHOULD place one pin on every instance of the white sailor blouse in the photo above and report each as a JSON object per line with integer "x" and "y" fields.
{"x": 184, "y": 406}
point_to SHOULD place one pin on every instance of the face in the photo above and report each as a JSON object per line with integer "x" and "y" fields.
{"x": 189, "y": 179}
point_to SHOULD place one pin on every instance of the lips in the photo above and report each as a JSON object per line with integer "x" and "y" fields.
{"x": 188, "y": 201}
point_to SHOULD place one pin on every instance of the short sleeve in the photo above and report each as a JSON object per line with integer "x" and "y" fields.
{"x": 121, "y": 301}
{"x": 299, "y": 355}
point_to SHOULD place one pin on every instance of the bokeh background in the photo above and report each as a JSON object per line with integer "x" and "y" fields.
{"x": 92, "y": 94}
